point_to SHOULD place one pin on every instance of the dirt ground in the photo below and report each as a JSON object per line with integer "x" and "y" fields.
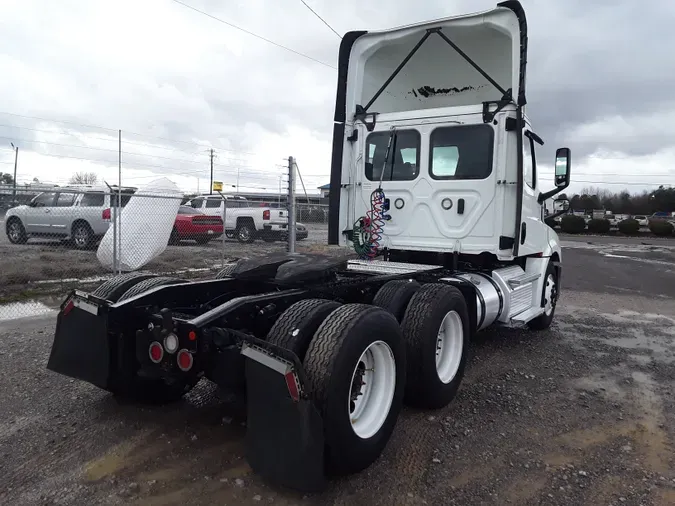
{"x": 581, "y": 414}
{"x": 49, "y": 267}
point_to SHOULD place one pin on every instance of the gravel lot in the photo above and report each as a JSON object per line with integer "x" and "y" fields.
{"x": 583, "y": 413}
{"x": 49, "y": 267}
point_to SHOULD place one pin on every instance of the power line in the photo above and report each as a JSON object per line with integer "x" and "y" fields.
{"x": 131, "y": 153}
{"x": 255, "y": 35}
{"x": 115, "y": 130}
{"x": 322, "y": 20}
{"x": 111, "y": 163}
{"x": 105, "y": 139}
{"x": 248, "y": 169}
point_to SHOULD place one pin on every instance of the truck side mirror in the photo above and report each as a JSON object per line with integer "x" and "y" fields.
{"x": 563, "y": 161}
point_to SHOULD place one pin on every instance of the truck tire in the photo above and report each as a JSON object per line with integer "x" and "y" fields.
{"x": 296, "y": 326}
{"x": 16, "y": 233}
{"x": 226, "y": 271}
{"x": 436, "y": 330}
{"x": 245, "y": 232}
{"x": 113, "y": 288}
{"x": 82, "y": 236}
{"x": 394, "y": 296}
{"x": 355, "y": 367}
{"x": 549, "y": 298}
{"x": 174, "y": 239}
{"x": 148, "y": 284}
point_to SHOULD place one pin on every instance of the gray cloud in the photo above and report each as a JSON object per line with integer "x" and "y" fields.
{"x": 185, "y": 77}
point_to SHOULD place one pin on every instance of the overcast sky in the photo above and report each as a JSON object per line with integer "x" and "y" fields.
{"x": 600, "y": 80}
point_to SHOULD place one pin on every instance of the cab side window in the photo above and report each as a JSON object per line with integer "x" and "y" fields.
{"x": 529, "y": 162}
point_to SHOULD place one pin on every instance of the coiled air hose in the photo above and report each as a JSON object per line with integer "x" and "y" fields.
{"x": 368, "y": 229}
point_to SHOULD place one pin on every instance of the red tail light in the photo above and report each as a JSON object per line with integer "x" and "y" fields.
{"x": 105, "y": 214}
{"x": 266, "y": 214}
{"x": 68, "y": 307}
{"x": 184, "y": 360}
{"x": 156, "y": 352}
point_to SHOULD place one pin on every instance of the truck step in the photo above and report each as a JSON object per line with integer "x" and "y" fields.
{"x": 382, "y": 267}
{"x": 528, "y": 315}
{"x": 524, "y": 279}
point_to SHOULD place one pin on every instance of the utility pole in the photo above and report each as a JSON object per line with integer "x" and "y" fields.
{"x": 16, "y": 159}
{"x": 291, "y": 204}
{"x": 211, "y": 184}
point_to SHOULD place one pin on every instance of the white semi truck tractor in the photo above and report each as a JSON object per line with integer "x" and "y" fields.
{"x": 434, "y": 190}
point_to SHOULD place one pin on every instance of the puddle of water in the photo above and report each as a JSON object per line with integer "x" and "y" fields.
{"x": 16, "y": 310}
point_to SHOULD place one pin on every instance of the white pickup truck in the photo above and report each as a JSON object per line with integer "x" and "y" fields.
{"x": 245, "y": 221}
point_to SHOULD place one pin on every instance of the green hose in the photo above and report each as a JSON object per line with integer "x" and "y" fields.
{"x": 361, "y": 244}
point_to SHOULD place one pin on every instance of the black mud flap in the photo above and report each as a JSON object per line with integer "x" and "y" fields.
{"x": 284, "y": 437}
{"x": 81, "y": 348}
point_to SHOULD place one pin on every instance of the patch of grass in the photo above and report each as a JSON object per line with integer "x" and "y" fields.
{"x": 23, "y": 295}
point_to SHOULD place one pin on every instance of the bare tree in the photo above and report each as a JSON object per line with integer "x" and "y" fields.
{"x": 84, "y": 178}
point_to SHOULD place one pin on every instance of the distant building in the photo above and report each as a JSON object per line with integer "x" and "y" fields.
{"x": 325, "y": 190}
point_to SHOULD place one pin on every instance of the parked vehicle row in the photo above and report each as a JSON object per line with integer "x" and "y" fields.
{"x": 614, "y": 219}
{"x": 81, "y": 215}
{"x": 247, "y": 222}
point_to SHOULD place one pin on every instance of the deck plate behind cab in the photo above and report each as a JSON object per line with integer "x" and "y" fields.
{"x": 290, "y": 268}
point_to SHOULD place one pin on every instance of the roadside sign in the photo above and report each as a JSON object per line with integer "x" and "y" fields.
{"x": 217, "y": 186}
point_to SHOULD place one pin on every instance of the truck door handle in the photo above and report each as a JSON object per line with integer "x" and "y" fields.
{"x": 523, "y": 233}
{"x": 460, "y": 206}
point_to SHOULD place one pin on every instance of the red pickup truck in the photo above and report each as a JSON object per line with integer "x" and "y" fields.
{"x": 194, "y": 225}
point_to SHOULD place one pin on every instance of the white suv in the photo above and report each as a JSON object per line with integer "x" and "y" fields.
{"x": 78, "y": 214}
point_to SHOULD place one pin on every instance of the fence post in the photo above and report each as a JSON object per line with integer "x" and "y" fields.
{"x": 291, "y": 205}
{"x": 119, "y": 202}
{"x": 222, "y": 253}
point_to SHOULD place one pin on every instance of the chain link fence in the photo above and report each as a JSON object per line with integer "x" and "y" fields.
{"x": 54, "y": 238}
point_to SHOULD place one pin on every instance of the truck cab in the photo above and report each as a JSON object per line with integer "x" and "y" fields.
{"x": 433, "y": 115}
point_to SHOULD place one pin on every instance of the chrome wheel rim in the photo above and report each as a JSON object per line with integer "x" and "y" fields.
{"x": 372, "y": 389}
{"x": 449, "y": 347}
{"x": 80, "y": 236}
{"x": 245, "y": 233}
{"x": 14, "y": 231}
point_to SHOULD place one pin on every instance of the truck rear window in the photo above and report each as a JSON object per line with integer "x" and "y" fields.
{"x": 461, "y": 152}
{"x": 404, "y": 156}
